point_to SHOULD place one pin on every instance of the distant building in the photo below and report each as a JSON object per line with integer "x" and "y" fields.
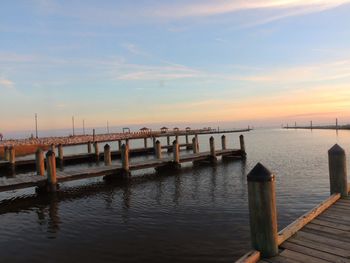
{"x": 145, "y": 129}
{"x": 164, "y": 129}
{"x": 176, "y": 129}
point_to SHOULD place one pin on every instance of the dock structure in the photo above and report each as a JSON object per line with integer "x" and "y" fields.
{"x": 109, "y": 171}
{"x": 320, "y": 235}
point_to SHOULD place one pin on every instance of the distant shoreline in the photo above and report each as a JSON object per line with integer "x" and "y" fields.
{"x": 322, "y": 127}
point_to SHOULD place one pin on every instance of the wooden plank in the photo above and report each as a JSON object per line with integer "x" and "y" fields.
{"x": 305, "y": 249}
{"x": 321, "y": 222}
{"x": 334, "y": 219}
{"x": 250, "y": 257}
{"x": 343, "y": 235}
{"x": 294, "y": 227}
{"x": 322, "y": 239}
{"x": 301, "y": 257}
{"x": 329, "y": 248}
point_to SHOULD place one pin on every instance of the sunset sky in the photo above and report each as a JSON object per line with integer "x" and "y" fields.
{"x": 146, "y": 61}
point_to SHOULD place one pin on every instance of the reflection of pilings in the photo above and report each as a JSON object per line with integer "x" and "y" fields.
{"x": 54, "y": 219}
{"x": 126, "y": 203}
{"x": 213, "y": 183}
{"x": 177, "y": 192}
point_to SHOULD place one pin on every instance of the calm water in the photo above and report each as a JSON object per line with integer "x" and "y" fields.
{"x": 197, "y": 215}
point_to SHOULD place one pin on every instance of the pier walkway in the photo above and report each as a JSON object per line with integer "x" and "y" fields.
{"x": 20, "y": 182}
{"x": 321, "y": 235}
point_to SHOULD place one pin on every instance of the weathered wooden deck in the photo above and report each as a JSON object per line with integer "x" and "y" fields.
{"x": 25, "y": 181}
{"x": 325, "y": 239}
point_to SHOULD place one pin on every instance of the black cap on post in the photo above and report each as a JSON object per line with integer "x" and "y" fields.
{"x": 260, "y": 174}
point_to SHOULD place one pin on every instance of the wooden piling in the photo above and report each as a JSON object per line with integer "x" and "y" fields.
{"x": 176, "y": 153}
{"x": 125, "y": 160}
{"x": 242, "y": 145}
{"x": 194, "y": 145}
{"x": 127, "y": 144}
{"x": 6, "y": 153}
{"x": 119, "y": 145}
{"x": 168, "y": 140}
{"x": 154, "y": 143}
{"x": 187, "y": 142}
{"x": 213, "y": 158}
{"x": 158, "y": 150}
{"x": 12, "y": 155}
{"x": 107, "y": 155}
{"x": 60, "y": 152}
{"x": 53, "y": 147}
{"x": 51, "y": 171}
{"x": 97, "y": 153}
{"x": 39, "y": 162}
{"x": 93, "y": 135}
{"x": 262, "y": 211}
{"x": 145, "y": 142}
{"x": 223, "y": 142}
{"x": 197, "y": 143}
{"x": 89, "y": 146}
{"x": 337, "y": 171}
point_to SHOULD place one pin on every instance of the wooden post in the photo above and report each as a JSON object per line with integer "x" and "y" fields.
{"x": 127, "y": 143}
{"x": 197, "y": 143}
{"x": 60, "y": 152}
{"x": 177, "y": 138}
{"x": 242, "y": 144}
{"x": 51, "y": 171}
{"x": 107, "y": 155}
{"x": 119, "y": 145}
{"x": 212, "y": 147}
{"x": 93, "y": 135}
{"x": 262, "y": 211}
{"x": 53, "y": 147}
{"x": 154, "y": 143}
{"x": 336, "y": 123}
{"x": 194, "y": 145}
{"x": 337, "y": 171}
{"x": 6, "y": 153}
{"x": 39, "y": 161}
{"x": 176, "y": 152}
{"x": 168, "y": 140}
{"x": 187, "y": 142}
{"x": 97, "y": 154}
{"x": 125, "y": 159}
{"x": 145, "y": 142}
{"x": 158, "y": 150}
{"x": 223, "y": 142}
{"x": 89, "y": 146}
{"x": 12, "y": 155}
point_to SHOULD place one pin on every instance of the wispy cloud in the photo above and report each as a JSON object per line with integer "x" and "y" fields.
{"x": 6, "y": 83}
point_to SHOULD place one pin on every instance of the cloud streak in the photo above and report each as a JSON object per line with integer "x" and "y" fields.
{"x": 6, "y": 83}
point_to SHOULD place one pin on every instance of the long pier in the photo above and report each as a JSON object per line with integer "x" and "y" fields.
{"x": 321, "y": 235}
{"x": 118, "y": 171}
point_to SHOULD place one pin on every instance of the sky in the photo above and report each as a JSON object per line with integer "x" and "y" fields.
{"x": 186, "y": 61}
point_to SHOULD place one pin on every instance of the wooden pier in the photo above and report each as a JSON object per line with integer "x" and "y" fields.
{"x": 118, "y": 171}
{"x": 320, "y": 235}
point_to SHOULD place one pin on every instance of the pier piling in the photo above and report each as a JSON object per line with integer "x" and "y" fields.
{"x": 119, "y": 145}
{"x": 145, "y": 142}
{"x": 97, "y": 154}
{"x": 125, "y": 161}
{"x": 223, "y": 142}
{"x": 168, "y": 140}
{"x": 242, "y": 145}
{"x": 51, "y": 171}
{"x": 194, "y": 145}
{"x": 213, "y": 158}
{"x": 89, "y": 146}
{"x": 6, "y": 153}
{"x": 60, "y": 153}
{"x": 107, "y": 155}
{"x": 262, "y": 211}
{"x": 158, "y": 150}
{"x": 338, "y": 171}
{"x": 176, "y": 154}
{"x": 39, "y": 162}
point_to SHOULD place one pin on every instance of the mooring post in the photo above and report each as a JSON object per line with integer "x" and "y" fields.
{"x": 158, "y": 150}
{"x": 154, "y": 143}
{"x": 187, "y": 142}
{"x": 197, "y": 143}
{"x": 12, "y": 155}
{"x": 119, "y": 145}
{"x": 93, "y": 135}
{"x": 89, "y": 146}
{"x": 176, "y": 152}
{"x": 168, "y": 140}
{"x": 107, "y": 155}
{"x": 127, "y": 144}
{"x": 51, "y": 171}
{"x": 39, "y": 162}
{"x": 53, "y": 147}
{"x": 60, "y": 153}
{"x": 262, "y": 211}
{"x": 97, "y": 154}
{"x": 145, "y": 142}
{"x": 223, "y": 142}
{"x": 213, "y": 158}
{"x": 177, "y": 138}
{"x": 6, "y": 153}
{"x": 337, "y": 171}
{"x": 194, "y": 145}
{"x": 125, "y": 160}
{"x": 242, "y": 145}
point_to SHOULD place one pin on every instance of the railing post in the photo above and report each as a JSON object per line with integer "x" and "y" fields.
{"x": 51, "y": 171}
{"x": 223, "y": 142}
{"x": 176, "y": 152}
{"x": 337, "y": 171}
{"x": 97, "y": 153}
{"x": 262, "y": 211}
{"x": 158, "y": 150}
{"x": 107, "y": 155}
{"x": 145, "y": 142}
{"x": 39, "y": 161}
{"x": 89, "y": 146}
